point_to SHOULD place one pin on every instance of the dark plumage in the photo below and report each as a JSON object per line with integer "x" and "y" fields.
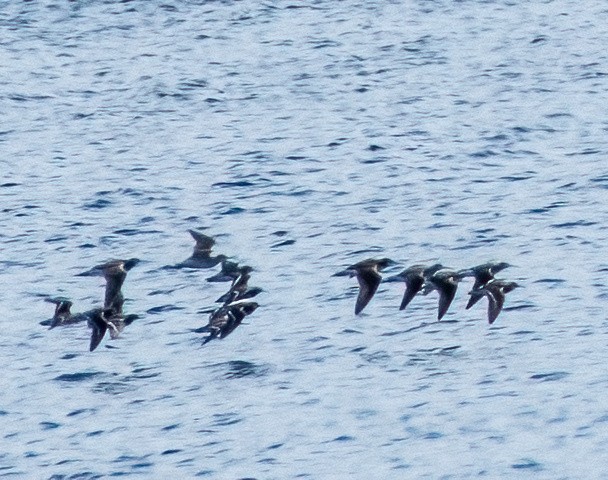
{"x": 115, "y": 273}
{"x": 369, "y": 278}
{"x": 99, "y": 325}
{"x": 110, "y": 317}
{"x": 101, "y": 320}
{"x": 224, "y": 320}
{"x": 495, "y": 291}
{"x": 483, "y": 274}
{"x": 234, "y": 295}
{"x": 63, "y": 315}
{"x": 415, "y": 279}
{"x": 445, "y": 281}
{"x": 101, "y": 269}
{"x": 240, "y": 290}
{"x": 229, "y": 272}
{"x": 201, "y": 256}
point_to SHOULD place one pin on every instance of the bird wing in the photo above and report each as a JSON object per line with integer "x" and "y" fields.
{"x": 204, "y": 243}
{"x": 447, "y": 292}
{"x": 212, "y": 334}
{"x": 482, "y": 277}
{"x": 475, "y": 297}
{"x": 369, "y": 280}
{"x": 496, "y": 301}
{"x": 235, "y": 317}
{"x": 99, "y": 327}
{"x": 412, "y": 287}
{"x": 217, "y": 321}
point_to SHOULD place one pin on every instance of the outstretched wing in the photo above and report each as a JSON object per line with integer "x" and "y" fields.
{"x": 447, "y": 292}
{"x": 204, "y": 243}
{"x": 475, "y": 297}
{"x": 496, "y": 301}
{"x": 99, "y": 326}
{"x": 412, "y": 287}
{"x": 369, "y": 280}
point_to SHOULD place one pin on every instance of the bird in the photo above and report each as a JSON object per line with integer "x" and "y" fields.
{"x": 234, "y": 295}
{"x": 369, "y": 278}
{"x": 201, "y": 256}
{"x": 483, "y": 274}
{"x": 224, "y": 320}
{"x": 495, "y": 290}
{"x": 99, "y": 325}
{"x": 100, "y": 270}
{"x": 414, "y": 278}
{"x": 115, "y": 273}
{"x": 229, "y": 272}
{"x": 111, "y": 316}
{"x": 445, "y": 281}
{"x": 63, "y": 315}
{"x": 103, "y": 319}
{"x": 240, "y": 290}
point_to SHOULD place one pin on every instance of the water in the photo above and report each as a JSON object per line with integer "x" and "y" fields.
{"x": 305, "y": 136}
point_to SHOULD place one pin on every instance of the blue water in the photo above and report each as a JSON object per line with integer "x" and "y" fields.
{"x": 305, "y": 136}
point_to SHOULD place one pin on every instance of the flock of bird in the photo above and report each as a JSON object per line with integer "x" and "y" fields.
{"x": 100, "y": 320}
{"x": 236, "y": 304}
{"x": 429, "y": 278}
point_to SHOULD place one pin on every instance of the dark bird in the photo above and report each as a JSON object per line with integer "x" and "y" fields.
{"x": 101, "y": 320}
{"x": 63, "y": 315}
{"x": 224, "y": 320}
{"x": 229, "y": 272}
{"x": 415, "y": 279}
{"x": 369, "y": 278}
{"x": 483, "y": 274}
{"x": 495, "y": 291}
{"x": 445, "y": 281}
{"x": 234, "y": 295}
{"x": 240, "y": 290}
{"x": 110, "y": 317}
{"x": 99, "y": 325}
{"x": 201, "y": 256}
{"x": 115, "y": 273}
{"x": 101, "y": 269}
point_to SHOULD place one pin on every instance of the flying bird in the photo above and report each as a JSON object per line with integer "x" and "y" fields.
{"x": 240, "y": 290}
{"x": 445, "y": 281}
{"x": 201, "y": 256}
{"x": 101, "y": 320}
{"x": 229, "y": 272}
{"x": 415, "y": 278}
{"x": 63, "y": 314}
{"x": 495, "y": 291}
{"x": 115, "y": 273}
{"x": 483, "y": 274}
{"x": 224, "y": 320}
{"x": 369, "y": 278}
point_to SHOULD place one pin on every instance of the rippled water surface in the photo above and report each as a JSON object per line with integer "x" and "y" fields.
{"x": 305, "y": 136}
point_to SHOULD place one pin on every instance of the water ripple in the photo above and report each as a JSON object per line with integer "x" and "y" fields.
{"x": 306, "y": 136}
